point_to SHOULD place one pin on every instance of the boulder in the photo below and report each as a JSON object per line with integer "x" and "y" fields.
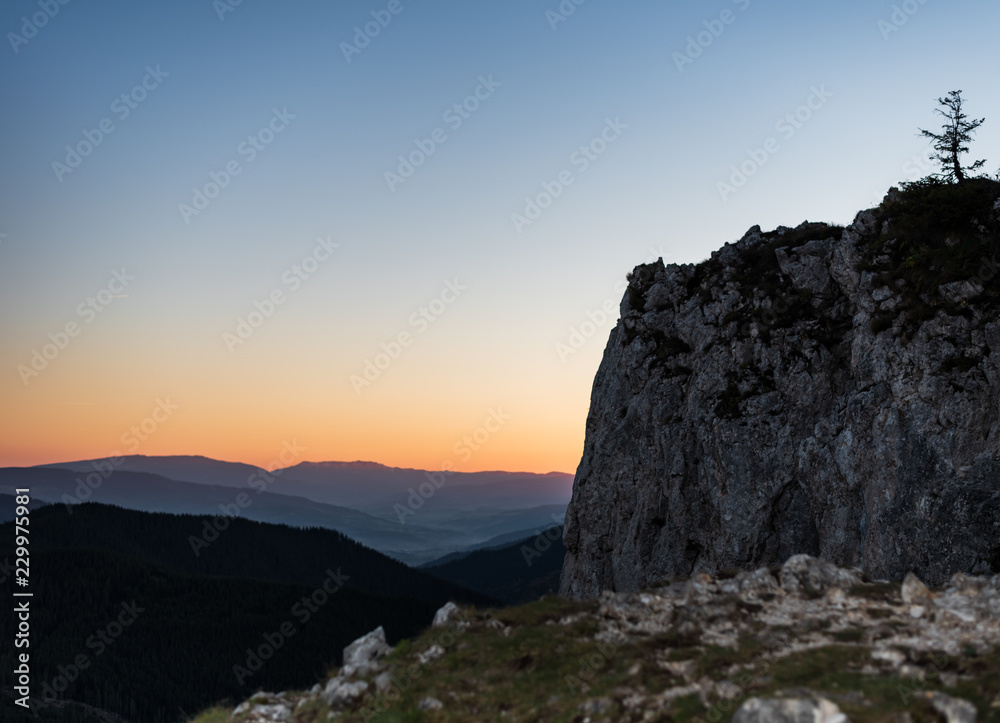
{"x": 448, "y": 612}
{"x": 363, "y": 654}
{"x": 788, "y": 710}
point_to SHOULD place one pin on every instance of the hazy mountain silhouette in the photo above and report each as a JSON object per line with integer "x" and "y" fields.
{"x": 359, "y": 484}
{"x": 447, "y": 511}
{"x": 154, "y": 493}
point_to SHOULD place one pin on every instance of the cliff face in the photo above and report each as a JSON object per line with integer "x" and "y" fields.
{"x": 818, "y": 390}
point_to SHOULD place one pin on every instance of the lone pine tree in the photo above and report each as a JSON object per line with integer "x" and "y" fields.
{"x": 954, "y": 139}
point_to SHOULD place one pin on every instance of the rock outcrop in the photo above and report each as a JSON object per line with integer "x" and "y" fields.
{"x": 821, "y": 390}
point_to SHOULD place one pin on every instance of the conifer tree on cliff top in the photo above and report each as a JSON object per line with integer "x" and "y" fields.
{"x": 954, "y": 139}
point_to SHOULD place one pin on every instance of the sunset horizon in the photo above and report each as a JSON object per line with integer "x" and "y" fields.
{"x": 275, "y": 462}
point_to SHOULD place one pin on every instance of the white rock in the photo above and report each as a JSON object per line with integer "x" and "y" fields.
{"x": 429, "y": 703}
{"x": 788, "y": 710}
{"x": 447, "y": 613}
{"x": 807, "y": 575}
{"x": 955, "y": 710}
{"x": 340, "y": 693}
{"x": 360, "y": 655}
{"x": 914, "y": 591}
{"x": 276, "y": 713}
{"x": 432, "y": 653}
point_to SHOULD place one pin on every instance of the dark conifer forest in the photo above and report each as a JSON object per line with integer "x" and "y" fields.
{"x": 126, "y": 619}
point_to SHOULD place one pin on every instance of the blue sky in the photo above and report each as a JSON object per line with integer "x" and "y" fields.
{"x": 553, "y": 87}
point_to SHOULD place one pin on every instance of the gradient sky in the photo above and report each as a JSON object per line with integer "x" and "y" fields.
{"x": 158, "y": 343}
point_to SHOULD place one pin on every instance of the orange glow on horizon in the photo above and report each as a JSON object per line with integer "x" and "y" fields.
{"x": 477, "y": 404}
{"x": 535, "y": 464}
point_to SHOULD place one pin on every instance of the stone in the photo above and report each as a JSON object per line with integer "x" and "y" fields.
{"x": 811, "y": 576}
{"x": 959, "y": 291}
{"x": 788, "y": 710}
{"x": 808, "y": 266}
{"x": 596, "y": 706}
{"x": 432, "y": 653}
{"x": 448, "y": 612}
{"x": 263, "y": 712}
{"x": 955, "y": 710}
{"x": 430, "y": 703}
{"x": 750, "y": 239}
{"x": 361, "y": 655}
{"x": 913, "y": 591}
{"x": 341, "y": 693}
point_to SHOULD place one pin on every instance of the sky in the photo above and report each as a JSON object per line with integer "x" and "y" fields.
{"x": 398, "y": 230}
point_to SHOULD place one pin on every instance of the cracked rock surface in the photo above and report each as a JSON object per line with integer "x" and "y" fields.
{"x": 815, "y": 390}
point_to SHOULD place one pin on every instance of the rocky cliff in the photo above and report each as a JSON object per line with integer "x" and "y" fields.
{"x": 821, "y": 390}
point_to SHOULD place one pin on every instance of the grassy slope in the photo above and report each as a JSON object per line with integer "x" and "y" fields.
{"x": 542, "y": 671}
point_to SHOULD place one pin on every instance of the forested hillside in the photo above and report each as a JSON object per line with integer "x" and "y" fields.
{"x": 516, "y": 573}
{"x": 127, "y": 619}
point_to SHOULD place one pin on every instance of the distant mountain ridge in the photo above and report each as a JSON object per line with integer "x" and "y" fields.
{"x": 155, "y": 493}
{"x": 413, "y": 515}
{"x": 357, "y": 484}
